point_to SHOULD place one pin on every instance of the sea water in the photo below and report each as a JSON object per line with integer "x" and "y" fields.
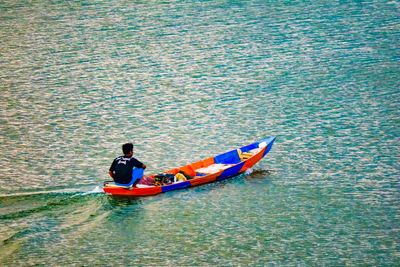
{"x": 185, "y": 80}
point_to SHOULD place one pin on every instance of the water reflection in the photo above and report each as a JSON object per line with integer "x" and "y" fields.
{"x": 121, "y": 201}
{"x": 184, "y": 81}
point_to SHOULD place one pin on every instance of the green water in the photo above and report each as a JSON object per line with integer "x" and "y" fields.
{"x": 186, "y": 80}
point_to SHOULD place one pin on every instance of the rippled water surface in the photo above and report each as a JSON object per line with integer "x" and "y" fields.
{"x": 186, "y": 80}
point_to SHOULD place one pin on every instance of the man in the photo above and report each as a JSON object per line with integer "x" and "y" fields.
{"x": 122, "y": 167}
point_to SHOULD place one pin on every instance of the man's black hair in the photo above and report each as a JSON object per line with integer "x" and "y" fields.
{"x": 126, "y": 148}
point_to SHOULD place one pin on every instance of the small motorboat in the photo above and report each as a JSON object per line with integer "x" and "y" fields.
{"x": 209, "y": 170}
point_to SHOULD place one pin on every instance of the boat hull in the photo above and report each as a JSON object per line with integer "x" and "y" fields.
{"x": 220, "y": 167}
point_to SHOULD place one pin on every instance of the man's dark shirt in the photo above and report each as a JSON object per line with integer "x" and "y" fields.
{"x": 122, "y": 168}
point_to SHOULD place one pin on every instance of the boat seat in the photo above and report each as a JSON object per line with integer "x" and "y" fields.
{"x": 255, "y": 150}
{"x": 214, "y": 168}
{"x": 244, "y": 155}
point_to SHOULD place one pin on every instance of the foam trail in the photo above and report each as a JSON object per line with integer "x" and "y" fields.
{"x": 73, "y": 191}
{"x": 248, "y": 171}
{"x": 96, "y": 190}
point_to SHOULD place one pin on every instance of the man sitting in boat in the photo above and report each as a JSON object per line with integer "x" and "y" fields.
{"x": 122, "y": 167}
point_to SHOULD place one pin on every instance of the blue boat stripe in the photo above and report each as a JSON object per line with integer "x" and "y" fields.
{"x": 176, "y": 186}
{"x": 270, "y": 141}
{"x": 234, "y": 170}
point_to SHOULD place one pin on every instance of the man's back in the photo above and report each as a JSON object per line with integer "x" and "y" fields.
{"x": 122, "y": 168}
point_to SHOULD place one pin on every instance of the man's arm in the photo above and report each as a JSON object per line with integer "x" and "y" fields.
{"x": 138, "y": 164}
{"x": 111, "y": 170}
